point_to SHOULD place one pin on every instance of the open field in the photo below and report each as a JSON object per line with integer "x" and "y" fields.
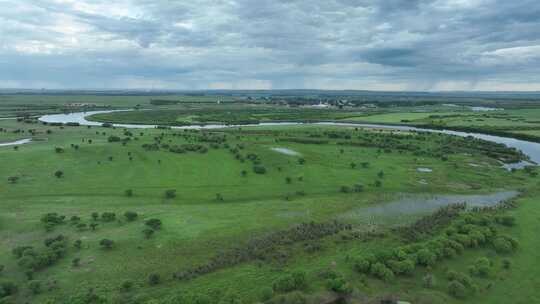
{"x": 228, "y": 203}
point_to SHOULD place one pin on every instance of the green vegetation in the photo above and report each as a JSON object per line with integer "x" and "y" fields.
{"x": 112, "y": 215}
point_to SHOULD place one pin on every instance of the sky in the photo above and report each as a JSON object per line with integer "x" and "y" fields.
{"x": 391, "y": 45}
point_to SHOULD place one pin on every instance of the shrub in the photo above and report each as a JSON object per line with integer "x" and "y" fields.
{"x": 148, "y": 233}
{"x": 130, "y": 216}
{"x": 338, "y": 285}
{"x": 345, "y": 189}
{"x": 154, "y": 279}
{"x": 128, "y": 192}
{"x": 34, "y": 286}
{"x": 7, "y": 289}
{"x": 290, "y": 282}
{"x": 505, "y": 244}
{"x": 108, "y": 216}
{"x": 170, "y": 194}
{"x": 362, "y": 265}
{"x": 382, "y": 272}
{"x": 481, "y": 267}
{"x": 456, "y": 289}
{"x": 402, "y": 267}
{"x": 429, "y": 281}
{"x": 266, "y": 294}
{"x": 506, "y": 220}
{"x": 76, "y": 262}
{"x": 154, "y": 223}
{"x": 106, "y": 243}
{"x": 295, "y": 297}
{"x": 95, "y": 216}
{"x": 506, "y": 263}
{"x": 126, "y": 286}
{"x": 426, "y": 258}
{"x": 259, "y": 169}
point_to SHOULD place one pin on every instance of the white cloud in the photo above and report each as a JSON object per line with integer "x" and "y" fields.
{"x": 369, "y": 44}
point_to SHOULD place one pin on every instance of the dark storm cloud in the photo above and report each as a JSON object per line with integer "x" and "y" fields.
{"x": 357, "y": 44}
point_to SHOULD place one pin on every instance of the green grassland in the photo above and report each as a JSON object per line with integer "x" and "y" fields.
{"x": 218, "y": 209}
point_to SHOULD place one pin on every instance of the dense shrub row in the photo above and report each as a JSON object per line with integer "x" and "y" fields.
{"x": 263, "y": 247}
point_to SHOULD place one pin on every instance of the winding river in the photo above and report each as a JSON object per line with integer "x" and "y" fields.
{"x": 16, "y": 142}
{"x": 531, "y": 149}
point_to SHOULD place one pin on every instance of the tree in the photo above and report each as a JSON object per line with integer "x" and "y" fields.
{"x": 93, "y": 226}
{"x": 154, "y": 279}
{"x": 106, "y": 243}
{"x": 353, "y": 165}
{"x": 456, "y": 289}
{"x": 34, "y": 286}
{"x": 358, "y": 188}
{"x": 76, "y": 262}
{"x": 108, "y": 216}
{"x": 154, "y": 223}
{"x": 126, "y": 286}
{"x": 258, "y": 169}
{"x": 148, "y": 233}
{"x": 170, "y": 194}
{"x": 59, "y": 173}
{"x": 95, "y": 216}
{"x": 13, "y": 179}
{"x": 429, "y": 281}
{"x": 77, "y": 244}
{"x": 426, "y": 257}
{"x": 219, "y": 197}
{"x": 130, "y": 216}
{"x": 128, "y": 192}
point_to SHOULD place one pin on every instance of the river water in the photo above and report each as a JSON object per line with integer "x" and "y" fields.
{"x": 529, "y": 148}
{"x": 17, "y": 142}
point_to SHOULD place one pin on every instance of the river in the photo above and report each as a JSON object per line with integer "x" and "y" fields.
{"x": 531, "y": 149}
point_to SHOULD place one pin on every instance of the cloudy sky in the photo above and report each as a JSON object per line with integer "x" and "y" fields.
{"x": 265, "y": 44}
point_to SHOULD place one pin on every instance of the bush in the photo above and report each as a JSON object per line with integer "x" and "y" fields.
{"x": 429, "y": 281}
{"x": 154, "y": 223}
{"x": 154, "y": 279}
{"x": 7, "y": 289}
{"x": 148, "y": 233}
{"x": 481, "y": 267}
{"x": 291, "y": 298}
{"x": 382, "y": 272}
{"x": 266, "y": 294}
{"x": 259, "y": 169}
{"x": 108, "y": 216}
{"x": 456, "y": 289}
{"x": 505, "y": 244}
{"x": 106, "y": 243}
{"x": 506, "y": 220}
{"x": 362, "y": 265}
{"x": 34, "y": 286}
{"x": 126, "y": 286}
{"x": 170, "y": 194}
{"x": 338, "y": 285}
{"x": 290, "y": 282}
{"x": 130, "y": 216}
{"x": 402, "y": 267}
{"x": 426, "y": 257}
